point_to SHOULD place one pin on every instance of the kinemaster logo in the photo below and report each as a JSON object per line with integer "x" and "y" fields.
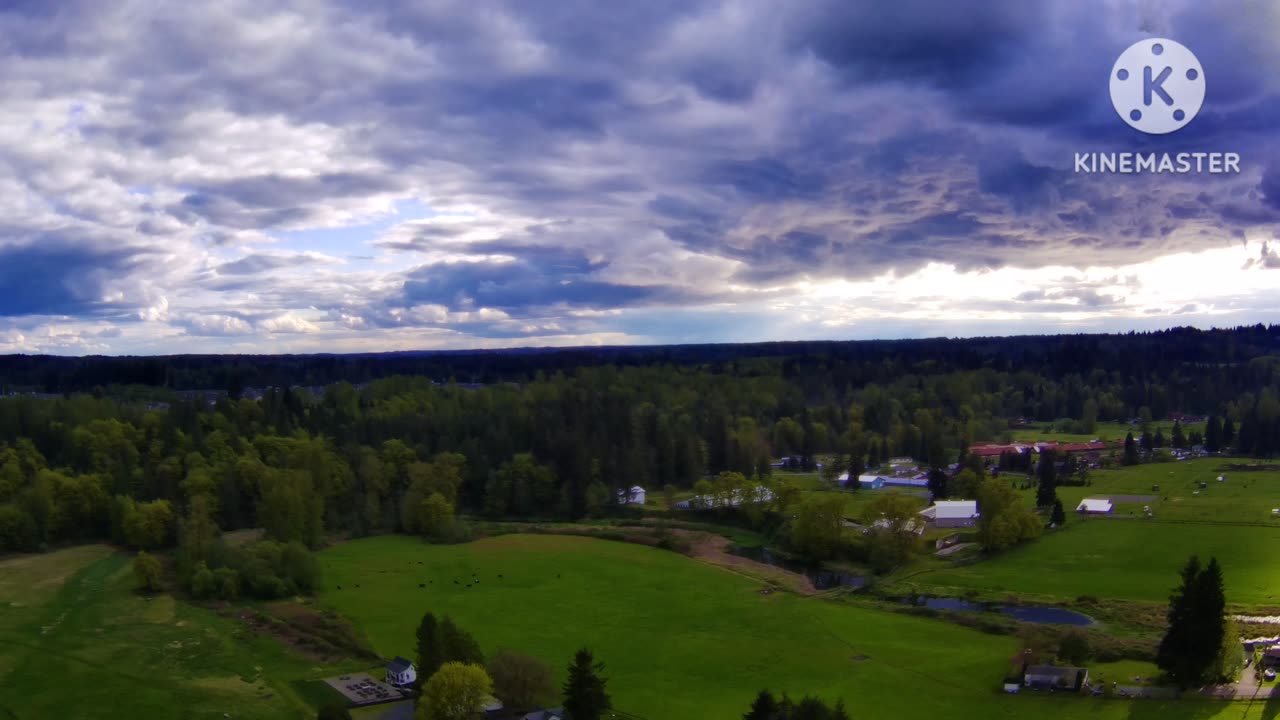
{"x": 1157, "y": 87}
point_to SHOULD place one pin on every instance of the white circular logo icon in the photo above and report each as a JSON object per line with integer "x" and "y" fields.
{"x": 1157, "y": 86}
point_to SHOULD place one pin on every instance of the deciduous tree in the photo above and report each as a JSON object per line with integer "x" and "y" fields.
{"x": 521, "y": 682}
{"x": 456, "y": 691}
{"x": 147, "y": 572}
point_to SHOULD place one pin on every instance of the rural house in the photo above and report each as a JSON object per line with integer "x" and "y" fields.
{"x": 634, "y": 496}
{"x": 1052, "y": 677}
{"x": 401, "y": 673}
{"x": 952, "y": 513}
{"x": 1271, "y": 657}
{"x": 1094, "y": 506}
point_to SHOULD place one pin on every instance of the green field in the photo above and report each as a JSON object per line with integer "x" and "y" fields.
{"x": 1127, "y": 560}
{"x": 1129, "y": 557}
{"x": 684, "y": 640}
{"x": 77, "y": 642}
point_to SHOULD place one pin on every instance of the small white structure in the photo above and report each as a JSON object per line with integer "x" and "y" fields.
{"x": 952, "y": 513}
{"x": 1222, "y": 478}
{"x": 1094, "y": 506}
{"x": 401, "y": 673}
{"x": 760, "y": 494}
{"x": 1275, "y": 512}
{"x": 634, "y": 496}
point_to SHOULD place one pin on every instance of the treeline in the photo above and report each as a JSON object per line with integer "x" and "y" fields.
{"x": 408, "y": 454}
{"x": 831, "y": 364}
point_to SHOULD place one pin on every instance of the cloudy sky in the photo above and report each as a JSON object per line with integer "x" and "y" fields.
{"x": 318, "y": 175}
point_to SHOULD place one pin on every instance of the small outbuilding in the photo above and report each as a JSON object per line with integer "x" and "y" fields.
{"x": 401, "y": 673}
{"x": 634, "y": 496}
{"x": 1095, "y": 506}
{"x": 1053, "y": 677}
{"x": 553, "y": 714}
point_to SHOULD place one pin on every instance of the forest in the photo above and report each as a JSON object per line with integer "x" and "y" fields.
{"x": 142, "y": 465}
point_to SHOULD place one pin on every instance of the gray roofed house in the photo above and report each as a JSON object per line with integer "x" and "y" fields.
{"x": 401, "y": 672}
{"x": 1053, "y": 676}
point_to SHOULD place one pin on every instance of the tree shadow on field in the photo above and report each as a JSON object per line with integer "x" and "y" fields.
{"x": 1188, "y": 708}
{"x": 1271, "y": 710}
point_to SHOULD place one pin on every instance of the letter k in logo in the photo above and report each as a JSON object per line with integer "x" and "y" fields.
{"x": 1156, "y": 86}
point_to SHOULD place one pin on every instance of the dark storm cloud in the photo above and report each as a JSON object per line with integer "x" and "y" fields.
{"x": 60, "y": 276}
{"x": 926, "y": 41}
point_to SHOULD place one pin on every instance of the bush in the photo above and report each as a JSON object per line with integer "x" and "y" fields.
{"x": 269, "y": 570}
{"x": 227, "y": 583}
{"x": 18, "y": 530}
{"x": 147, "y": 570}
{"x": 203, "y": 582}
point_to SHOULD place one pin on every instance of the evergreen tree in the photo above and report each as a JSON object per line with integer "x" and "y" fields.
{"x": 1130, "y": 450}
{"x": 1228, "y": 433}
{"x": 1211, "y": 619}
{"x": 585, "y": 697}
{"x": 457, "y": 645}
{"x": 1213, "y": 434}
{"x": 765, "y": 707}
{"x": 1191, "y": 648}
{"x": 1059, "y": 516}
{"x": 430, "y": 653}
{"x": 1047, "y": 474}
{"x": 938, "y": 483}
{"x": 1179, "y": 439}
{"x": 1159, "y": 440}
{"x": 1175, "y": 653}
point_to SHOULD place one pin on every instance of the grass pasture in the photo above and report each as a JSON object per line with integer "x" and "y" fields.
{"x": 1129, "y": 557}
{"x": 1244, "y": 497}
{"x": 683, "y": 640}
{"x": 1127, "y": 560}
{"x": 80, "y": 643}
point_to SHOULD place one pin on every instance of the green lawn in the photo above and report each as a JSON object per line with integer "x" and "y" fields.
{"x": 1127, "y": 560}
{"x": 682, "y": 639}
{"x": 76, "y": 642}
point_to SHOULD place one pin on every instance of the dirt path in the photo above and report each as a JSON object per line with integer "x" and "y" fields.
{"x": 707, "y": 547}
{"x": 714, "y": 549}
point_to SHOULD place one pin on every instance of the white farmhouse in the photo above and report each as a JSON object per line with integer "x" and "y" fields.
{"x": 401, "y": 673}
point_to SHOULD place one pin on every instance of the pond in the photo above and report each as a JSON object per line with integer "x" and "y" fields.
{"x": 821, "y": 579}
{"x": 1022, "y": 613}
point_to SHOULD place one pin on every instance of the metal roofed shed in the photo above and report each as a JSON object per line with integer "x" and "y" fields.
{"x": 1095, "y": 506}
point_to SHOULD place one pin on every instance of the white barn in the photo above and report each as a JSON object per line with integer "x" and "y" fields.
{"x": 634, "y": 496}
